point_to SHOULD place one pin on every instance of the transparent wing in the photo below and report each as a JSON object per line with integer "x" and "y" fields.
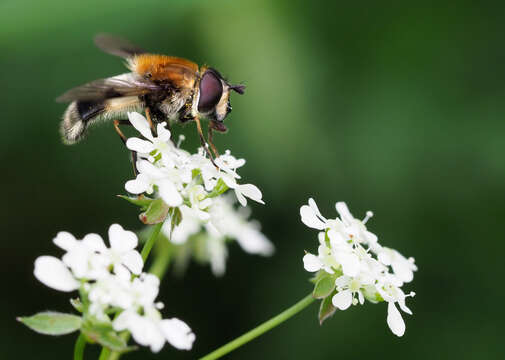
{"x": 117, "y": 86}
{"x": 118, "y": 46}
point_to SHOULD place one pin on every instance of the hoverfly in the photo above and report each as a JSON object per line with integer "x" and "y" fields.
{"x": 167, "y": 88}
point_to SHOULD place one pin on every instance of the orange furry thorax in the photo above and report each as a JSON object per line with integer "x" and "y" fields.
{"x": 179, "y": 71}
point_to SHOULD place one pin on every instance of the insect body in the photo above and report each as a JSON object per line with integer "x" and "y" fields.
{"x": 165, "y": 87}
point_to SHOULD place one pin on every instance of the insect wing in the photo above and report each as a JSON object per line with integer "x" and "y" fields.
{"x": 117, "y": 86}
{"x": 115, "y": 45}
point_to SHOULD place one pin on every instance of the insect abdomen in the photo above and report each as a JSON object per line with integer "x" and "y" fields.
{"x": 76, "y": 117}
{"x": 80, "y": 114}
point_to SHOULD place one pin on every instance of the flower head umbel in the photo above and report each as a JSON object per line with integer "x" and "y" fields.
{"x": 209, "y": 235}
{"x": 110, "y": 281}
{"x": 195, "y": 188}
{"x": 355, "y": 265}
{"x": 176, "y": 175}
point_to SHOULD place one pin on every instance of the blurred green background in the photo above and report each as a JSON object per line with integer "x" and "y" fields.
{"x": 397, "y": 108}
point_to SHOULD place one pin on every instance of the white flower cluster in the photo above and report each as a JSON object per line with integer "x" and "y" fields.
{"x": 180, "y": 177}
{"x": 363, "y": 268}
{"x": 112, "y": 278}
{"x": 221, "y": 223}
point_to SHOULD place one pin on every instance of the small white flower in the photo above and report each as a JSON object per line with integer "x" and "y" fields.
{"x": 111, "y": 290}
{"x": 153, "y": 331}
{"x": 122, "y": 254}
{"x": 348, "y": 288}
{"x": 199, "y": 201}
{"x": 402, "y": 267}
{"x": 150, "y": 176}
{"x": 159, "y": 144}
{"x": 145, "y": 289}
{"x": 82, "y": 255}
{"x": 89, "y": 258}
{"x": 390, "y": 291}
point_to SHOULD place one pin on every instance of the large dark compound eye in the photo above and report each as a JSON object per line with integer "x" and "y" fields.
{"x": 211, "y": 90}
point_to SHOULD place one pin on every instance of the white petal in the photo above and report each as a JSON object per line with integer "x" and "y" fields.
{"x": 342, "y": 299}
{"x": 310, "y": 219}
{"x": 169, "y": 194}
{"x": 401, "y": 303}
{"x": 252, "y": 192}
{"x": 385, "y": 256}
{"x": 178, "y": 333}
{"x": 361, "y": 297}
{"x": 254, "y": 242}
{"x": 336, "y": 238}
{"x": 133, "y": 261}
{"x": 314, "y": 207}
{"x": 139, "y": 145}
{"x": 342, "y": 281}
{"x": 403, "y": 271}
{"x": 121, "y": 240}
{"x": 344, "y": 212}
{"x": 163, "y": 133}
{"x": 371, "y": 238}
{"x": 229, "y": 181}
{"x": 350, "y": 263}
{"x": 65, "y": 240}
{"x": 241, "y": 199}
{"x": 139, "y": 185}
{"x": 94, "y": 242}
{"x": 146, "y": 333}
{"x": 141, "y": 124}
{"x": 53, "y": 273}
{"x": 123, "y": 320}
{"x": 394, "y": 320}
{"x": 312, "y": 263}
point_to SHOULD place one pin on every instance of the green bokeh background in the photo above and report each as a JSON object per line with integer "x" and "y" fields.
{"x": 397, "y": 108}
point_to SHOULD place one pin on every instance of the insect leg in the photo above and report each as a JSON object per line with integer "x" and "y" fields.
{"x": 151, "y": 124}
{"x": 202, "y": 140}
{"x": 211, "y": 143}
{"x": 123, "y": 138}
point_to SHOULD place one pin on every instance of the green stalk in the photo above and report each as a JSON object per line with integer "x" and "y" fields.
{"x": 261, "y": 329}
{"x": 161, "y": 261}
{"x": 150, "y": 242}
{"x": 80, "y": 344}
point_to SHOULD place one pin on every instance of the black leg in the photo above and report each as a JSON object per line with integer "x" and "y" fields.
{"x": 202, "y": 140}
{"x": 123, "y": 139}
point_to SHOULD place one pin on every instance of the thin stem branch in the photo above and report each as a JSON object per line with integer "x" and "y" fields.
{"x": 261, "y": 329}
{"x": 161, "y": 261}
{"x": 104, "y": 354}
{"x": 150, "y": 242}
{"x": 80, "y": 344}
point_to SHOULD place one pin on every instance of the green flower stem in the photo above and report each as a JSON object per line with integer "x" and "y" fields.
{"x": 162, "y": 260}
{"x": 150, "y": 242}
{"x": 80, "y": 344}
{"x": 104, "y": 354}
{"x": 261, "y": 329}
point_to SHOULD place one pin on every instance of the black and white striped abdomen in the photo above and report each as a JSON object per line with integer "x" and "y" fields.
{"x": 82, "y": 113}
